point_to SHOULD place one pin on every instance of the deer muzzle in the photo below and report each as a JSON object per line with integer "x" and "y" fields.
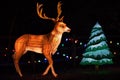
{"x": 68, "y": 30}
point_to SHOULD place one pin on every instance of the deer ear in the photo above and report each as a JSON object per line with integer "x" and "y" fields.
{"x": 61, "y": 19}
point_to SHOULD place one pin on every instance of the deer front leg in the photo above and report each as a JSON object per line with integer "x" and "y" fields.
{"x": 49, "y": 58}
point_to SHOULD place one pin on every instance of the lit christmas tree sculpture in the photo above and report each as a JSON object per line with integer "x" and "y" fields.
{"x": 97, "y": 51}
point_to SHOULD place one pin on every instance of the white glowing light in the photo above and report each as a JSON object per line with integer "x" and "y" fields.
{"x": 76, "y": 41}
{"x": 118, "y": 43}
{"x": 66, "y": 39}
{"x": 110, "y": 42}
{"x": 70, "y": 57}
{"x": 58, "y": 53}
{"x": 67, "y": 56}
{"x": 45, "y": 59}
{"x": 39, "y": 61}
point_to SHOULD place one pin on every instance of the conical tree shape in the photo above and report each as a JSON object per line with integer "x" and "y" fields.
{"x": 97, "y": 51}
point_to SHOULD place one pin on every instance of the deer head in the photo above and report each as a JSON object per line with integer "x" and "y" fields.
{"x": 60, "y": 26}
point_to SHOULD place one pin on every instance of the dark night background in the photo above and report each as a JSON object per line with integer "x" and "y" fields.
{"x": 19, "y": 17}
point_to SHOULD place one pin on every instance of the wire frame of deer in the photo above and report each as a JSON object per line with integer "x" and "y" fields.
{"x": 46, "y": 44}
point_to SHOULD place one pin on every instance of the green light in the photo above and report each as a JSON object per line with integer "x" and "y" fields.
{"x": 62, "y": 45}
{"x": 81, "y": 43}
{"x": 76, "y": 57}
{"x": 63, "y": 54}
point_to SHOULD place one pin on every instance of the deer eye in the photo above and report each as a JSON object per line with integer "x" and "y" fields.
{"x": 62, "y": 26}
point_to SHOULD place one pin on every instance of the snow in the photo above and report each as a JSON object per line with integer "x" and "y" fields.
{"x": 102, "y": 52}
{"x": 95, "y": 33}
{"x": 98, "y": 45}
{"x": 97, "y": 25}
{"x": 105, "y": 60}
{"x": 96, "y": 48}
{"x": 96, "y": 38}
{"x": 88, "y": 59}
{"x": 94, "y": 60}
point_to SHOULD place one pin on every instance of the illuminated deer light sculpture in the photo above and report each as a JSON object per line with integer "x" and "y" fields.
{"x": 44, "y": 44}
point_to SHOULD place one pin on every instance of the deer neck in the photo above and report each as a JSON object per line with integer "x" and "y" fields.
{"x": 56, "y": 34}
{"x": 54, "y": 40}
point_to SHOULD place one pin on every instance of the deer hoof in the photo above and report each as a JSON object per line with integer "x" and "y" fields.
{"x": 44, "y": 74}
{"x": 55, "y": 75}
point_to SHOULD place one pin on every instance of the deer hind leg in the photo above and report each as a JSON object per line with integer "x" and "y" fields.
{"x": 49, "y": 58}
{"x": 16, "y": 57}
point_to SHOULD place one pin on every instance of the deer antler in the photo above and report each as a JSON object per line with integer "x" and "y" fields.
{"x": 59, "y": 11}
{"x": 39, "y": 12}
{"x": 43, "y": 16}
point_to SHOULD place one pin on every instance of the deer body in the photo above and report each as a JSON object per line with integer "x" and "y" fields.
{"x": 36, "y": 43}
{"x": 44, "y": 44}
